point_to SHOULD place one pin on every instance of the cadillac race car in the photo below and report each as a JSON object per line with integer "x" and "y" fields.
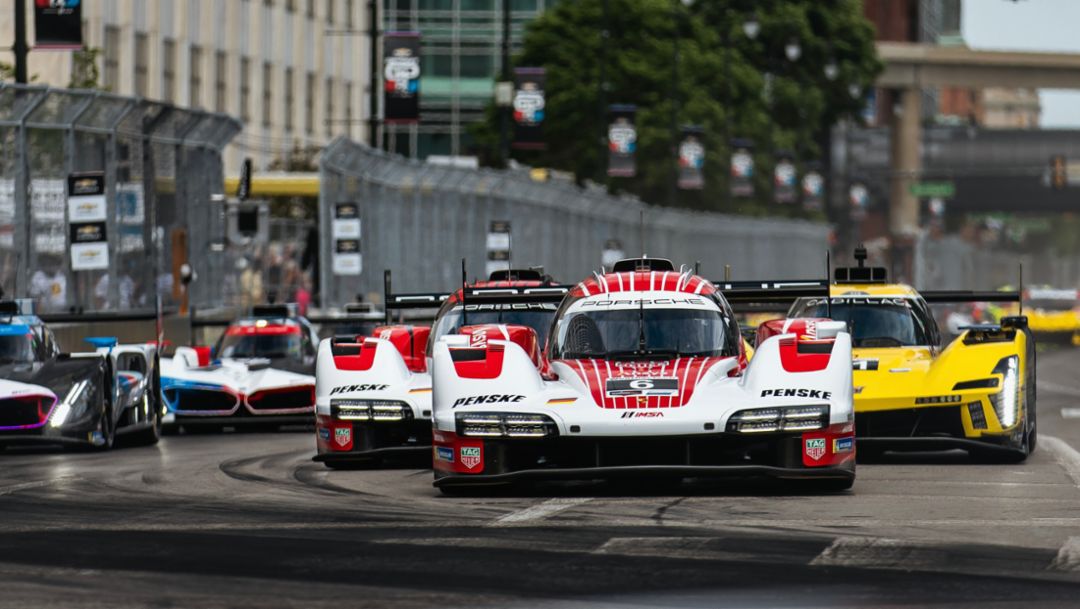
{"x": 260, "y": 372}
{"x": 73, "y": 399}
{"x": 373, "y": 394}
{"x": 976, "y": 393}
{"x": 645, "y": 374}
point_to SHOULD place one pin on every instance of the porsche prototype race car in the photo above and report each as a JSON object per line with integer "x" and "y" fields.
{"x": 976, "y": 393}
{"x": 259, "y": 372}
{"x": 373, "y": 394}
{"x": 73, "y": 399}
{"x": 645, "y": 374}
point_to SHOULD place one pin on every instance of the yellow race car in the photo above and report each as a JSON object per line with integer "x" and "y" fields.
{"x": 911, "y": 393}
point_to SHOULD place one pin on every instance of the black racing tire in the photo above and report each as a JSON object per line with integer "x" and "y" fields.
{"x": 107, "y": 426}
{"x": 170, "y": 430}
{"x": 1031, "y": 397}
{"x": 150, "y": 435}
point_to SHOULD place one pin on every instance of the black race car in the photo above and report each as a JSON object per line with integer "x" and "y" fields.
{"x": 89, "y": 399}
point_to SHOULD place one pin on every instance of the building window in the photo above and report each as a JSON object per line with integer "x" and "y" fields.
{"x": 195, "y": 93}
{"x": 309, "y": 108}
{"x": 245, "y": 89}
{"x": 330, "y": 11}
{"x": 288, "y": 99}
{"x": 220, "y": 77}
{"x": 268, "y": 73}
{"x": 142, "y": 76}
{"x": 349, "y": 14}
{"x": 290, "y": 5}
{"x": 348, "y": 108}
{"x": 168, "y": 71}
{"x": 112, "y": 58}
{"x": 328, "y": 120}
{"x": 310, "y": 9}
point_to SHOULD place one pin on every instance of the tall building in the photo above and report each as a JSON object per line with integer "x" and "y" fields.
{"x": 461, "y": 60}
{"x": 294, "y": 71}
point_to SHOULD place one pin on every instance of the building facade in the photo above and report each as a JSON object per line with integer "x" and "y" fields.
{"x": 294, "y": 71}
{"x": 461, "y": 61}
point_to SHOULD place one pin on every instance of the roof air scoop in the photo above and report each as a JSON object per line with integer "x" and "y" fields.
{"x": 643, "y": 264}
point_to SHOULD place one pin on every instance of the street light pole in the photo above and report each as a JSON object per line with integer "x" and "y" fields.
{"x": 504, "y": 111}
{"x": 373, "y": 84}
{"x": 20, "y": 48}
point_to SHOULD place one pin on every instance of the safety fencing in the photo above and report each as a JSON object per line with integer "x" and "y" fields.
{"x": 161, "y": 167}
{"x": 419, "y": 220}
{"x": 950, "y": 263}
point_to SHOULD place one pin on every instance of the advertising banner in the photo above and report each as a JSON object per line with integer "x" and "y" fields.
{"x": 785, "y": 179}
{"x": 622, "y": 141}
{"x": 813, "y": 189}
{"x": 742, "y": 168}
{"x": 528, "y": 108}
{"x": 691, "y": 159}
{"x": 498, "y": 247}
{"x": 58, "y": 25}
{"x": 345, "y": 229}
{"x": 401, "y": 77}
{"x": 87, "y": 214}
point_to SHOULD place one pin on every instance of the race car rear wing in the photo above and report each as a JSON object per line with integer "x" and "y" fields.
{"x": 771, "y": 296}
{"x": 470, "y": 295}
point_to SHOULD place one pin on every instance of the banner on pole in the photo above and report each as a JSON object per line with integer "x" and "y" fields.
{"x": 742, "y": 168}
{"x": 622, "y": 141}
{"x": 57, "y": 25}
{"x": 528, "y": 108}
{"x": 401, "y": 76}
{"x": 691, "y": 158}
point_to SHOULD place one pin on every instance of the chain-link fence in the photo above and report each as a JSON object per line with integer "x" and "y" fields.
{"x": 950, "y": 263}
{"x": 419, "y": 220}
{"x": 161, "y": 165}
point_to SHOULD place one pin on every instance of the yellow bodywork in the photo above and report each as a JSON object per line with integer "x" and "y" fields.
{"x": 906, "y": 375}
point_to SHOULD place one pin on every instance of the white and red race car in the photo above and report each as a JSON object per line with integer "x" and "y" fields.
{"x": 259, "y": 372}
{"x": 373, "y": 394}
{"x": 645, "y": 374}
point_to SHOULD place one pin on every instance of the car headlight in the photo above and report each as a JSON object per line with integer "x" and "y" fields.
{"x": 369, "y": 410}
{"x": 781, "y": 418}
{"x": 76, "y": 401}
{"x": 1007, "y": 401}
{"x": 505, "y": 425}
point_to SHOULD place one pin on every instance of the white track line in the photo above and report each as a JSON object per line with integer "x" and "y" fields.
{"x": 878, "y": 553}
{"x": 1064, "y": 454}
{"x": 1052, "y": 387}
{"x": 14, "y": 488}
{"x": 1068, "y": 557}
{"x": 539, "y": 511}
{"x": 1070, "y": 413}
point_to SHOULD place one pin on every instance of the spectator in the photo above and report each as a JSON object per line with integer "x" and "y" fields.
{"x": 48, "y": 285}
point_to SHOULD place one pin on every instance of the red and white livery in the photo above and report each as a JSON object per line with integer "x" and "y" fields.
{"x": 645, "y": 373}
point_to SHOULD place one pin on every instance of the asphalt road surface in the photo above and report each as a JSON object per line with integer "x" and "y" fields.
{"x": 247, "y": 520}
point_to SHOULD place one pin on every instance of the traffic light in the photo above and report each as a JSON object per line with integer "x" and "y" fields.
{"x": 1059, "y": 173}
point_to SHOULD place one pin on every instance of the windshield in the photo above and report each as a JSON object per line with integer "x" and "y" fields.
{"x": 1055, "y": 304}
{"x": 272, "y": 346}
{"x": 535, "y": 315}
{"x": 873, "y": 322}
{"x": 16, "y": 348}
{"x": 670, "y": 332}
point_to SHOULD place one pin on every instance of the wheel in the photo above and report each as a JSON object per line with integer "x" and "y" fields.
{"x": 107, "y": 425}
{"x": 150, "y": 435}
{"x": 1030, "y": 398}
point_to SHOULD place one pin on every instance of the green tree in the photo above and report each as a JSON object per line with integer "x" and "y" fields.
{"x": 637, "y": 63}
{"x": 84, "y": 69}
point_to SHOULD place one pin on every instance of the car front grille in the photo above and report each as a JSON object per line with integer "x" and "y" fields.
{"x": 22, "y": 412}
{"x": 282, "y": 399}
{"x": 189, "y": 399}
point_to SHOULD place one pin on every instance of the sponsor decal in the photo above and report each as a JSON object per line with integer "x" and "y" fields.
{"x": 864, "y": 364}
{"x": 518, "y": 306}
{"x": 858, "y": 389}
{"x": 843, "y": 445}
{"x": 494, "y": 398}
{"x": 811, "y": 330}
{"x": 343, "y": 436}
{"x": 324, "y": 433}
{"x": 619, "y": 302}
{"x": 796, "y": 393}
{"x": 471, "y": 456}
{"x": 354, "y": 388}
{"x": 444, "y": 453}
{"x": 641, "y": 414}
{"x": 622, "y": 387}
{"x": 556, "y": 401}
{"x": 478, "y": 341}
{"x": 386, "y": 334}
{"x": 848, "y": 300}
{"x": 815, "y": 448}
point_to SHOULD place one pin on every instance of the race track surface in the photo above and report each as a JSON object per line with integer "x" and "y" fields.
{"x": 248, "y": 520}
